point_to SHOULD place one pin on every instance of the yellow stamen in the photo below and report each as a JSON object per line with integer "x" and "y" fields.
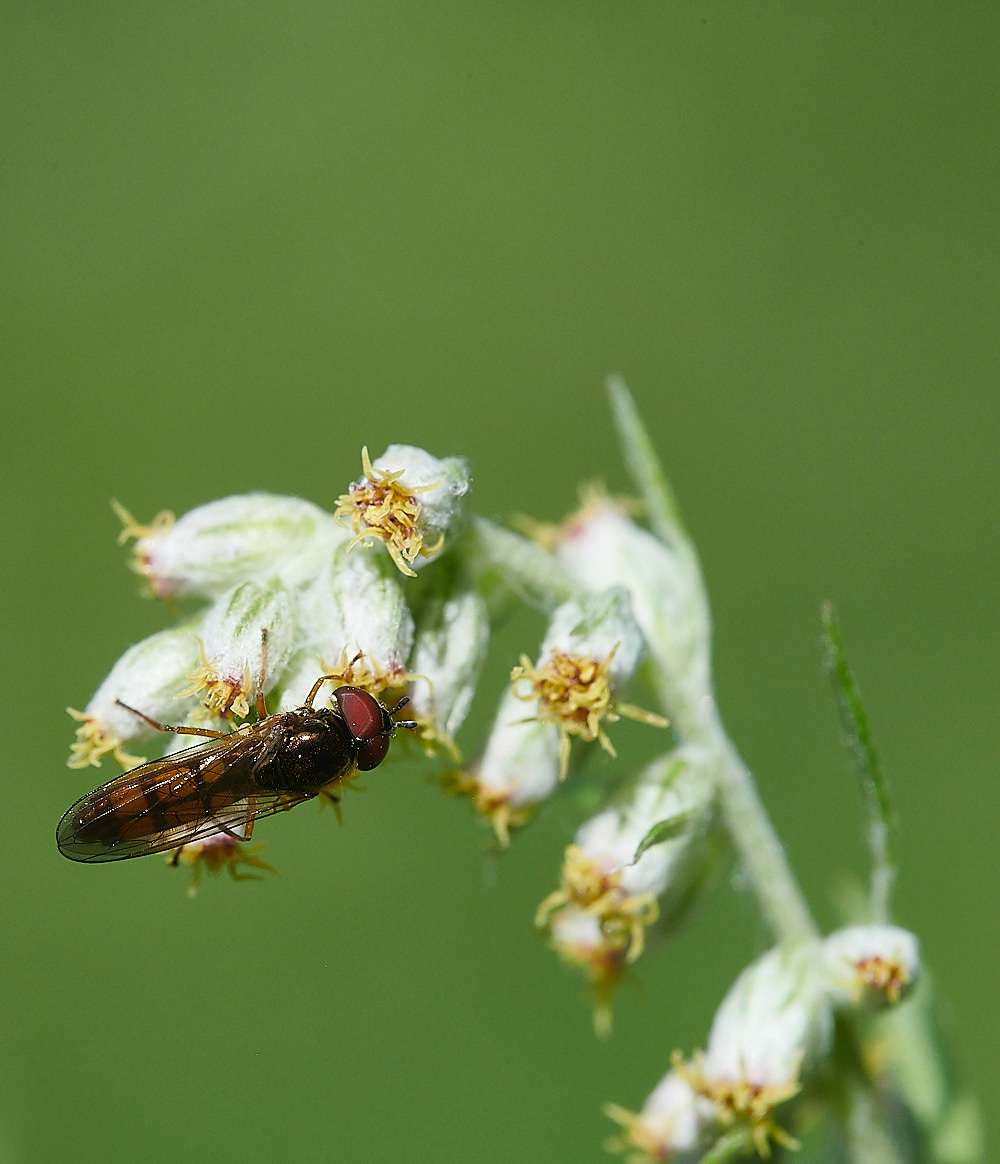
{"x": 216, "y": 853}
{"x": 624, "y": 918}
{"x": 546, "y": 534}
{"x": 222, "y": 695}
{"x": 493, "y": 803}
{"x": 359, "y": 671}
{"x": 574, "y": 693}
{"x": 131, "y": 528}
{"x": 604, "y": 964}
{"x": 330, "y": 795}
{"x": 742, "y": 1101}
{"x": 139, "y": 562}
{"x": 886, "y": 976}
{"x": 381, "y": 509}
{"x": 93, "y": 742}
{"x": 638, "y": 1134}
{"x": 593, "y": 498}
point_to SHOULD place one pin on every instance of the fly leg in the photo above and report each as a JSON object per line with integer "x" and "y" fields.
{"x": 248, "y": 823}
{"x": 208, "y": 733}
{"x": 315, "y": 688}
{"x": 323, "y": 678}
{"x": 331, "y": 797}
{"x": 261, "y": 705}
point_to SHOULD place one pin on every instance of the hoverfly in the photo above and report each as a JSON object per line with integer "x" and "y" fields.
{"x": 224, "y": 784}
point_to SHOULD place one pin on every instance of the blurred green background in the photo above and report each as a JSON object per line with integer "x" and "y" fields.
{"x": 241, "y": 240}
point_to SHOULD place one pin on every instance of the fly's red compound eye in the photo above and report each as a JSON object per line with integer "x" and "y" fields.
{"x": 363, "y": 713}
{"x": 372, "y": 753}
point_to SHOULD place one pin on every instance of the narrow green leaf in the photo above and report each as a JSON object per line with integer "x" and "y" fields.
{"x": 663, "y": 830}
{"x": 644, "y": 466}
{"x": 731, "y": 1145}
{"x": 859, "y": 743}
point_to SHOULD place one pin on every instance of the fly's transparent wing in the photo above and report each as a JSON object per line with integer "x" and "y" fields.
{"x": 171, "y": 802}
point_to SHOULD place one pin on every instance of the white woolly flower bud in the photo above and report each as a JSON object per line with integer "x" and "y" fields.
{"x": 518, "y": 770}
{"x": 440, "y": 482}
{"x": 591, "y": 648}
{"x": 775, "y": 1021}
{"x": 671, "y": 1122}
{"x": 233, "y": 650}
{"x": 674, "y": 795}
{"x": 150, "y": 677}
{"x": 870, "y": 967}
{"x": 218, "y": 545}
{"x": 774, "y": 1018}
{"x": 447, "y": 658}
{"x": 351, "y": 609}
{"x": 408, "y": 499}
{"x": 601, "y": 546}
{"x": 623, "y": 861}
{"x": 599, "y": 627}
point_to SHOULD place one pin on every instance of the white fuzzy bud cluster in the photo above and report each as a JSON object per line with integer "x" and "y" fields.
{"x": 290, "y": 598}
{"x": 221, "y": 544}
{"x": 295, "y": 596}
{"x": 775, "y": 1023}
{"x": 351, "y": 609}
{"x": 775, "y": 1019}
{"x": 148, "y": 677}
{"x": 439, "y": 484}
{"x": 246, "y": 641}
{"x": 409, "y": 501}
{"x": 672, "y": 1121}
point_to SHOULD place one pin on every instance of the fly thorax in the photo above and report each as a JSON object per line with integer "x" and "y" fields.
{"x": 317, "y": 752}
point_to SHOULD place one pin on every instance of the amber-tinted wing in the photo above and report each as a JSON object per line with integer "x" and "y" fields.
{"x": 172, "y": 802}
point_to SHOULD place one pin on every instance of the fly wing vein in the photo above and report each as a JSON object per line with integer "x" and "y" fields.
{"x": 168, "y": 802}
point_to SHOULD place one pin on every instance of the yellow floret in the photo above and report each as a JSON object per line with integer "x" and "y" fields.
{"x": 573, "y": 693}
{"x": 381, "y": 509}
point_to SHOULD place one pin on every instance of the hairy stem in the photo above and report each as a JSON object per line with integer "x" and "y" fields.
{"x": 867, "y": 1139}
{"x": 760, "y": 851}
{"x": 756, "y": 842}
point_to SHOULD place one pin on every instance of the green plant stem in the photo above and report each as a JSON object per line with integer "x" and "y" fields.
{"x": 760, "y": 851}
{"x": 867, "y": 1139}
{"x": 756, "y": 842}
{"x": 645, "y": 468}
